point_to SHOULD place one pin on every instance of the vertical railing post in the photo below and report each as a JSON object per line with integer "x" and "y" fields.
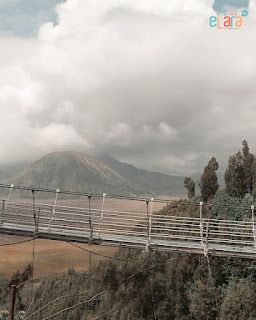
{"x": 37, "y": 223}
{"x": 34, "y": 209}
{"x": 206, "y": 251}
{"x": 201, "y": 222}
{"x": 90, "y": 221}
{"x": 4, "y": 207}
{"x": 2, "y": 214}
{"x": 147, "y": 202}
{"x": 101, "y": 212}
{"x": 8, "y": 197}
{"x": 149, "y": 223}
{"x": 253, "y": 226}
{"x": 53, "y": 211}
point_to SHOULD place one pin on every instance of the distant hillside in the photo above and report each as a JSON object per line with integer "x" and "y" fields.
{"x": 75, "y": 171}
{"x": 159, "y": 183}
{"x": 8, "y": 171}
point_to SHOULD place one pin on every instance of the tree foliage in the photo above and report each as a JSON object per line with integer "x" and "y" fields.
{"x": 155, "y": 285}
{"x": 16, "y": 279}
{"x": 231, "y": 208}
{"x": 235, "y": 176}
{"x": 240, "y": 176}
{"x": 189, "y": 184}
{"x": 239, "y": 302}
{"x": 249, "y": 166}
{"x": 254, "y": 178}
{"x": 209, "y": 181}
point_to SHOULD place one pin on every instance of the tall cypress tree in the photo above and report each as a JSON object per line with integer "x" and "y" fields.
{"x": 235, "y": 176}
{"x": 248, "y": 163}
{"x": 209, "y": 181}
{"x": 254, "y": 178}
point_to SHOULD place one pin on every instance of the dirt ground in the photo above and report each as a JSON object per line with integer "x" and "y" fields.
{"x": 52, "y": 256}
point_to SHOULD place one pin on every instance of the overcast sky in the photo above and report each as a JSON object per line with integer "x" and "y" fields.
{"x": 145, "y": 81}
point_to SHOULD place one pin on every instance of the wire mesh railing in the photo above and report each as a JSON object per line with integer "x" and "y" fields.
{"x": 142, "y": 228}
{"x": 47, "y": 218}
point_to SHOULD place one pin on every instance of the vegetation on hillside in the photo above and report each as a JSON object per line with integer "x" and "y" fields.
{"x": 155, "y": 285}
{"x": 17, "y": 279}
{"x": 159, "y": 285}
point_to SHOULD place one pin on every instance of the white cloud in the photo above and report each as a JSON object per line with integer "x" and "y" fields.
{"x": 252, "y": 4}
{"x": 166, "y": 130}
{"x": 3, "y": 2}
{"x": 145, "y": 79}
{"x": 119, "y": 133}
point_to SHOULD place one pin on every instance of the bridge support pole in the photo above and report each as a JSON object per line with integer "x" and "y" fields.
{"x": 12, "y": 302}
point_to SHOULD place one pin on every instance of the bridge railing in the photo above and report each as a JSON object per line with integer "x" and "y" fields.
{"x": 219, "y": 231}
{"x": 124, "y": 225}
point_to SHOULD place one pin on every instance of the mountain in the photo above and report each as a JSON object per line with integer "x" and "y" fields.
{"x": 8, "y": 171}
{"x": 159, "y": 183}
{"x": 75, "y": 171}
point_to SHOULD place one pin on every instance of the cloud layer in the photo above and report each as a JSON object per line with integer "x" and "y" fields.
{"x": 146, "y": 81}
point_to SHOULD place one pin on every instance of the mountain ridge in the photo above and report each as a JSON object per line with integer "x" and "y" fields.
{"x": 159, "y": 183}
{"x": 80, "y": 172}
{"x": 74, "y": 171}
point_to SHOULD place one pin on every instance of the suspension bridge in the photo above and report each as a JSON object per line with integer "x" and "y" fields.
{"x": 97, "y": 223}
